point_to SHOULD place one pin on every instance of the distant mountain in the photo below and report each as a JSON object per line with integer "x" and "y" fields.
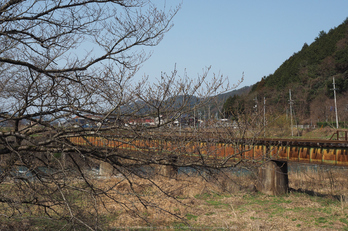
{"x": 214, "y": 104}
{"x": 241, "y": 91}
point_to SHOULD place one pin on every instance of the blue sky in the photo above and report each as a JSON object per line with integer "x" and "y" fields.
{"x": 254, "y": 37}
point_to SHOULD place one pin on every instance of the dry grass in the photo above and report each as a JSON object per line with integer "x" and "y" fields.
{"x": 198, "y": 204}
{"x": 285, "y": 132}
{"x": 326, "y": 180}
{"x": 316, "y": 202}
{"x": 319, "y": 133}
{"x": 154, "y": 207}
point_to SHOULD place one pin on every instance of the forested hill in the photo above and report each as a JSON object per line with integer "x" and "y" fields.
{"x": 325, "y": 57}
{"x": 309, "y": 73}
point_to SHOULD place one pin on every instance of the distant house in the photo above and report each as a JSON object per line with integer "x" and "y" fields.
{"x": 141, "y": 121}
{"x": 112, "y": 120}
{"x": 160, "y": 120}
{"x": 89, "y": 121}
{"x": 186, "y": 120}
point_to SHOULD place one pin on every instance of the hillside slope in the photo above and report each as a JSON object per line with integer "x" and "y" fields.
{"x": 309, "y": 74}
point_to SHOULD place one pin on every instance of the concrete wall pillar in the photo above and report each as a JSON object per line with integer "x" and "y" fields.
{"x": 169, "y": 170}
{"x": 273, "y": 178}
{"x": 105, "y": 169}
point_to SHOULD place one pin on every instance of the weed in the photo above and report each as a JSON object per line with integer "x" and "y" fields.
{"x": 324, "y": 201}
{"x": 190, "y": 216}
{"x": 202, "y": 196}
{"x": 321, "y": 220}
{"x": 344, "y": 221}
{"x": 217, "y": 204}
{"x": 325, "y": 210}
{"x": 210, "y": 213}
{"x": 205, "y": 196}
{"x": 179, "y": 226}
{"x": 57, "y": 155}
{"x": 281, "y": 200}
{"x": 255, "y": 199}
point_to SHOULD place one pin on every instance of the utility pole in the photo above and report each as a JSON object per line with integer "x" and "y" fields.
{"x": 255, "y": 107}
{"x": 209, "y": 112}
{"x": 264, "y": 116}
{"x": 180, "y": 124}
{"x": 181, "y": 114}
{"x": 194, "y": 118}
{"x": 291, "y": 102}
{"x": 334, "y": 89}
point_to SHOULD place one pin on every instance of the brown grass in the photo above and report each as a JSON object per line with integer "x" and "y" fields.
{"x": 316, "y": 201}
{"x": 225, "y": 203}
{"x": 319, "y": 133}
{"x": 154, "y": 207}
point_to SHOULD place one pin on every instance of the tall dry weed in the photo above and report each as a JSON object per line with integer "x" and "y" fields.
{"x": 160, "y": 200}
{"x": 320, "y": 179}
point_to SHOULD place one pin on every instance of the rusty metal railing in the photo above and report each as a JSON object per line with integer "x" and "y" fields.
{"x": 338, "y": 135}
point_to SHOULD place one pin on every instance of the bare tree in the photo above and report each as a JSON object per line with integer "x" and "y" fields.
{"x": 69, "y": 102}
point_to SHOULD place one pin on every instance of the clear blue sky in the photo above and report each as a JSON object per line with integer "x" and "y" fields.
{"x": 254, "y": 37}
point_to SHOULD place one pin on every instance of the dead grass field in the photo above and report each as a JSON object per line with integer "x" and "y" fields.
{"x": 317, "y": 200}
{"x": 220, "y": 204}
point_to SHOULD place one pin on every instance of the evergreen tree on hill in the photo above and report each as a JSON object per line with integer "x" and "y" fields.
{"x": 309, "y": 73}
{"x": 326, "y": 56}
